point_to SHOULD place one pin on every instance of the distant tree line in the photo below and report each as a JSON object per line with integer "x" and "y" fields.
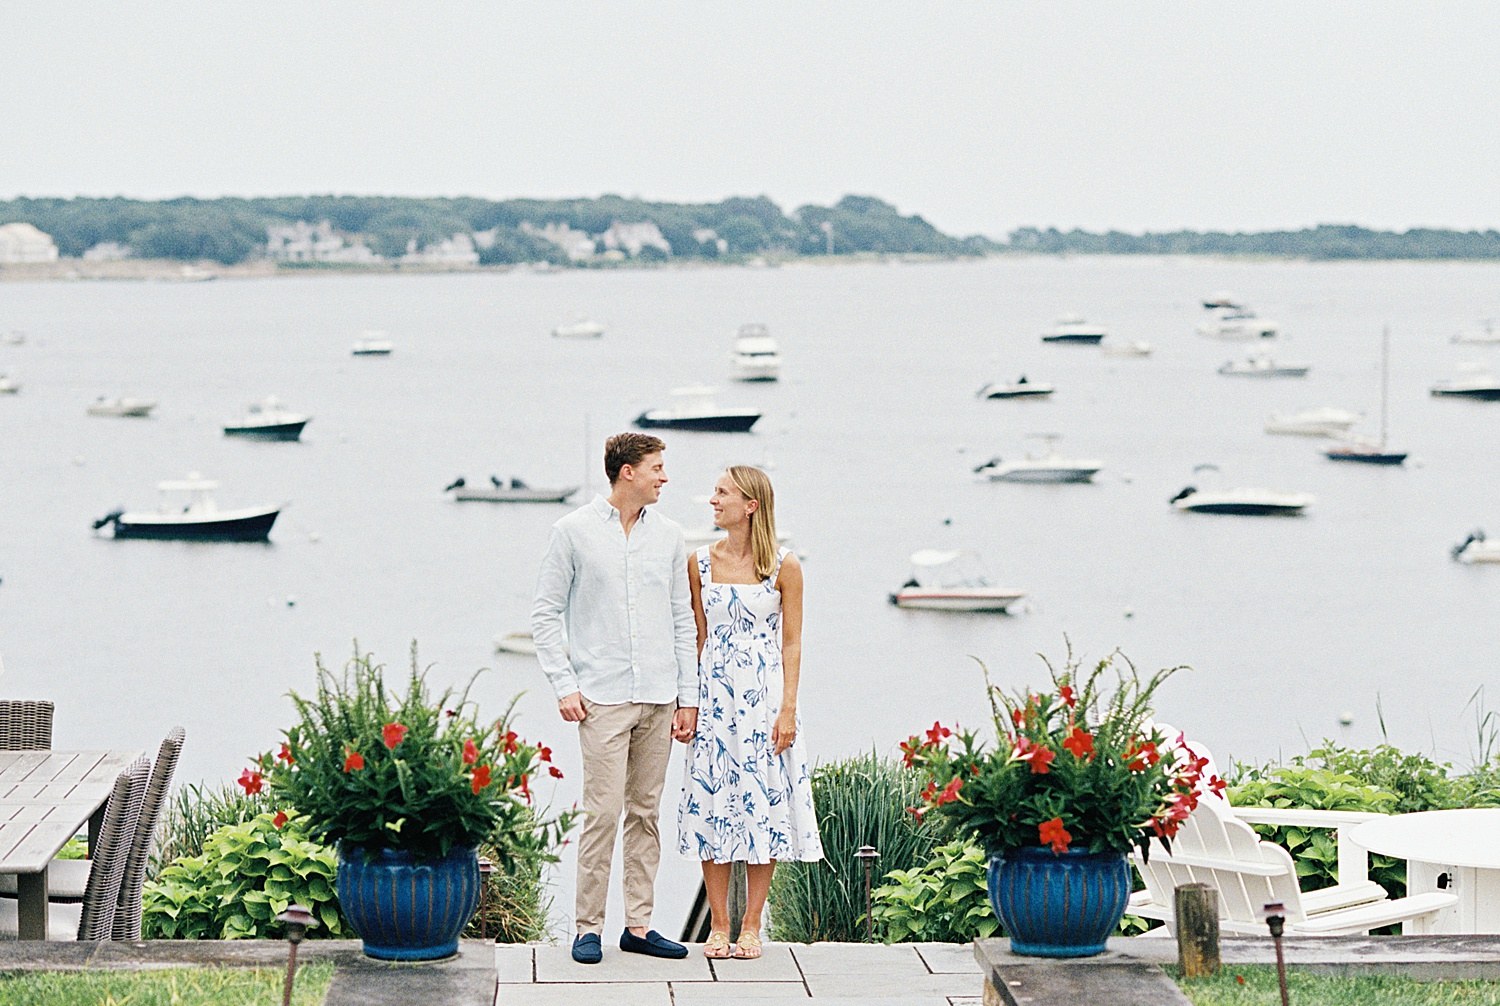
{"x": 1326, "y": 241}
{"x": 233, "y": 230}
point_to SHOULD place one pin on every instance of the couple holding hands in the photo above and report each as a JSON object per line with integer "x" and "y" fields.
{"x": 645, "y": 644}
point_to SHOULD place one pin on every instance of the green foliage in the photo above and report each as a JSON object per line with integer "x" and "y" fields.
{"x": 514, "y": 905}
{"x": 246, "y": 875}
{"x": 1322, "y": 242}
{"x": 944, "y": 901}
{"x": 1072, "y": 767}
{"x": 195, "y": 812}
{"x": 860, "y": 801}
{"x": 1255, "y": 985}
{"x": 377, "y": 770}
{"x": 167, "y": 987}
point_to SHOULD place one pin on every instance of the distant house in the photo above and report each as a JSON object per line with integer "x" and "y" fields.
{"x": 633, "y": 237}
{"x": 706, "y": 235}
{"x": 457, "y": 250}
{"x": 577, "y": 245}
{"x": 22, "y": 243}
{"x": 107, "y": 251}
{"x": 301, "y": 241}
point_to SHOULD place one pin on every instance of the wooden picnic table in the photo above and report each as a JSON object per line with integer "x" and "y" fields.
{"x": 46, "y": 797}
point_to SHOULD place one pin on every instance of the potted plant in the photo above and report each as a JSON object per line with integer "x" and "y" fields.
{"x": 1076, "y": 779}
{"x": 407, "y": 786}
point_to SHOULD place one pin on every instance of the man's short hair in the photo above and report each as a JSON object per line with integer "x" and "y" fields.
{"x": 628, "y": 449}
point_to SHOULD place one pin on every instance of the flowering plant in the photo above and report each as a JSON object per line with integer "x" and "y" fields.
{"x": 376, "y": 770}
{"x": 1073, "y": 768}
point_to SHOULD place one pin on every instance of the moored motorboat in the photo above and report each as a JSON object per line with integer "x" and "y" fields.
{"x": 1263, "y": 366}
{"x": 9, "y": 385}
{"x": 1249, "y": 502}
{"x": 125, "y": 406}
{"x": 373, "y": 343}
{"x": 267, "y": 420}
{"x": 499, "y": 491}
{"x": 1475, "y": 381}
{"x": 1320, "y": 422}
{"x": 1484, "y": 336}
{"x": 1021, "y": 388}
{"x": 952, "y": 581}
{"x": 1072, "y": 328}
{"x": 516, "y": 642}
{"x": 1047, "y": 466}
{"x": 199, "y": 520}
{"x": 1220, "y": 299}
{"x": 583, "y": 328}
{"x": 756, "y": 357}
{"x": 1237, "y": 324}
{"x": 1475, "y": 548}
{"x": 695, "y": 410}
{"x": 1125, "y": 347}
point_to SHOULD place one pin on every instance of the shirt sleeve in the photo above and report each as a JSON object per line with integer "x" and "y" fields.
{"x": 553, "y": 585}
{"x": 685, "y": 629}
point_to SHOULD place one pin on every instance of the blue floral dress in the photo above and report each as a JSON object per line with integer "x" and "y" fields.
{"x": 741, "y": 802}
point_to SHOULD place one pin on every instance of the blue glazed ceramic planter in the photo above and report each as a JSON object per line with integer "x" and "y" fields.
{"x": 408, "y": 910}
{"x": 1059, "y": 904}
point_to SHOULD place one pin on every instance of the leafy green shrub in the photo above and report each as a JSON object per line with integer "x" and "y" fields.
{"x": 247, "y": 875}
{"x": 514, "y": 905}
{"x": 944, "y": 901}
{"x": 195, "y": 812}
{"x": 860, "y": 801}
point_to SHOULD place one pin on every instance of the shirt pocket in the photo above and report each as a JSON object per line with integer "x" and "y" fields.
{"x": 654, "y": 572}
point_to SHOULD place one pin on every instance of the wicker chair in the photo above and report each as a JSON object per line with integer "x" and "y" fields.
{"x": 25, "y": 725}
{"x": 127, "y": 923}
{"x": 93, "y": 918}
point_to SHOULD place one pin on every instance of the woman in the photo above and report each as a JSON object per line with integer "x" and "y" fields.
{"x": 747, "y": 795}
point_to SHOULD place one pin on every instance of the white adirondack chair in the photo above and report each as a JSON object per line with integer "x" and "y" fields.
{"x": 1217, "y": 846}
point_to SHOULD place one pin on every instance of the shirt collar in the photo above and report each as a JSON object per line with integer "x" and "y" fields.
{"x": 606, "y": 510}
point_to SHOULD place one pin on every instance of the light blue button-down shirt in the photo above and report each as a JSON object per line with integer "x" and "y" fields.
{"x": 613, "y": 618}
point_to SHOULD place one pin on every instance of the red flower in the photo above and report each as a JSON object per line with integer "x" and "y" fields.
{"x": 1054, "y": 834}
{"x": 510, "y": 742}
{"x": 930, "y": 791}
{"x": 950, "y": 791}
{"x": 544, "y": 753}
{"x": 285, "y": 754}
{"x": 917, "y": 812}
{"x": 251, "y": 781}
{"x": 353, "y": 760}
{"x": 1217, "y": 785}
{"x": 393, "y": 734}
{"x": 1067, "y": 696}
{"x": 1017, "y": 717}
{"x": 280, "y": 818}
{"x": 555, "y": 771}
{"x": 471, "y": 752}
{"x": 937, "y": 733}
{"x": 909, "y": 749}
{"x": 524, "y": 788}
{"x": 479, "y": 778}
{"x": 1038, "y": 756}
{"x": 1081, "y": 743}
{"x": 1141, "y": 755}
{"x": 1240, "y": 979}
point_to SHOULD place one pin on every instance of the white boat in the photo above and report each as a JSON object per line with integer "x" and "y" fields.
{"x": 1220, "y": 299}
{"x": 756, "y": 355}
{"x": 267, "y": 420}
{"x": 1021, "y": 388}
{"x": 583, "y": 328}
{"x": 15, "y": 339}
{"x": 1485, "y": 336}
{"x": 1473, "y": 381}
{"x": 1072, "y": 328}
{"x": 9, "y": 385}
{"x": 373, "y": 343}
{"x": 124, "y": 406}
{"x": 1475, "y": 548}
{"x": 516, "y": 642}
{"x": 1238, "y": 324}
{"x": 1253, "y": 502}
{"x": 952, "y": 581}
{"x": 199, "y": 520}
{"x": 1047, "y": 466}
{"x": 1125, "y": 347}
{"x": 1321, "y": 422}
{"x": 499, "y": 491}
{"x": 694, "y": 409}
{"x": 1263, "y": 366}
{"x": 1363, "y": 450}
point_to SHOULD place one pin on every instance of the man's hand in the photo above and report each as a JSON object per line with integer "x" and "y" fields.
{"x": 685, "y": 724}
{"x": 571, "y": 707}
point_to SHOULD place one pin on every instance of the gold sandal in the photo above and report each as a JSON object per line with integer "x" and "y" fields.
{"x": 747, "y": 948}
{"x": 717, "y": 947}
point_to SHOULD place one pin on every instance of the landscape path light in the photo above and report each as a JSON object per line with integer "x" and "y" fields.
{"x": 867, "y": 855}
{"x": 298, "y": 919}
{"x": 1275, "y": 916}
{"x": 485, "y": 869}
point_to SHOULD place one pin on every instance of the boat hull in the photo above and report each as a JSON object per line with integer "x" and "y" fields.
{"x": 726, "y": 423}
{"x": 1266, "y": 372}
{"x": 1478, "y": 394}
{"x": 935, "y": 600}
{"x": 131, "y": 411}
{"x": 1046, "y": 475}
{"x": 478, "y": 495}
{"x": 1245, "y": 509}
{"x": 1482, "y": 552}
{"x": 276, "y": 431}
{"x": 1365, "y": 457}
{"x": 250, "y": 527}
{"x": 1082, "y": 339}
{"x": 1017, "y": 393}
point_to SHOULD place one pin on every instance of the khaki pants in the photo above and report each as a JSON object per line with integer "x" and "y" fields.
{"x": 625, "y": 751}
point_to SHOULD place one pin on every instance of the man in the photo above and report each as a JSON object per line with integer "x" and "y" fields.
{"x": 626, "y": 671}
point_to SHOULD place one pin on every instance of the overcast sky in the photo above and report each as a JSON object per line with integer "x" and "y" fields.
{"x": 980, "y": 116}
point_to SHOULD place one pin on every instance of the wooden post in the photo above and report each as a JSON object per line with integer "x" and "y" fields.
{"x": 739, "y": 894}
{"x": 1196, "y": 907}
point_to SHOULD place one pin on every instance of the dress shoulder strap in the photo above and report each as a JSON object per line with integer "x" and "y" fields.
{"x": 704, "y": 566}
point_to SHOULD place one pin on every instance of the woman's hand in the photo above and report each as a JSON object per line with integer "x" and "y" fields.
{"x": 784, "y": 731}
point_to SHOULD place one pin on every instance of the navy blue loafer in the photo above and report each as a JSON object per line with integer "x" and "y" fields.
{"x": 653, "y": 944}
{"x": 588, "y": 949}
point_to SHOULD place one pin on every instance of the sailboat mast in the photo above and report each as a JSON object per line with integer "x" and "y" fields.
{"x": 1385, "y": 378}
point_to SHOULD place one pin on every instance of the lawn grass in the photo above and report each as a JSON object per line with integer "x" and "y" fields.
{"x": 1259, "y": 989}
{"x": 168, "y": 987}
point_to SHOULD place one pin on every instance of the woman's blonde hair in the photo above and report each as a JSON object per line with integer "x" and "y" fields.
{"x": 755, "y": 484}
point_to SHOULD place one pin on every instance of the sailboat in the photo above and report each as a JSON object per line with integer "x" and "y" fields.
{"x": 1366, "y": 451}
